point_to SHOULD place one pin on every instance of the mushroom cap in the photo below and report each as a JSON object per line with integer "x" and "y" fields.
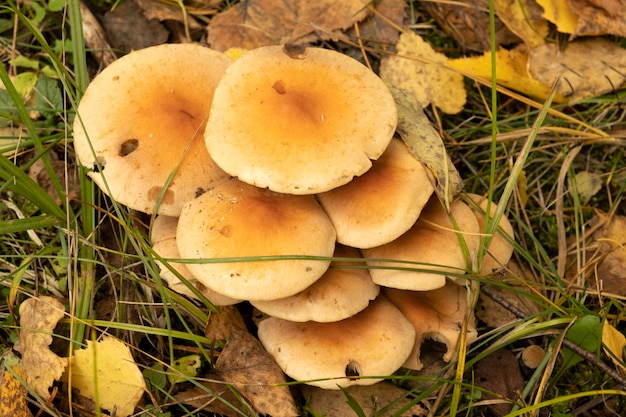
{"x": 237, "y": 220}
{"x": 499, "y": 251}
{"x": 142, "y": 120}
{"x": 436, "y": 314}
{"x": 383, "y": 203}
{"x": 163, "y": 237}
{"x": 432, "y": 243}
{"x": 374, "y": 342}
{"x": 345, "y": 289}
{"x": 299, "y": 125}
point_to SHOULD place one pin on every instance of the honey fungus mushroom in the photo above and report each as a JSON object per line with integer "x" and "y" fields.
{"x": 141, "y": 121}
{"x": 299, "y": 124}
{"x": 237, "y": 221}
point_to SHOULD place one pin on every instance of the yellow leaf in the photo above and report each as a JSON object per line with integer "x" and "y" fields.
{"x": 418, "y": 69}
{"x": 13, "y": 394}
{"x": 117, "y": 384}
{"x": 614, "y": 344}
{"x": 559, "y": 13}
{"x": 523, "y": 18}
{"x": 510, "y": 71}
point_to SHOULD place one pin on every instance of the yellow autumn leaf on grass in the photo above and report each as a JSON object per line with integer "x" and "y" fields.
{"x": 559, "y": 13}
{"x": 118, "y": 383}
{"x": 510, "y": 71}
{"x": 614, "y": 344}
{"x": 523, "y": 18}
{"x": 418, "y": 69}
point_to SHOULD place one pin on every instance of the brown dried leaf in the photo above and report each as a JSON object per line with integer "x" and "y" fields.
{"x": 128, "y": 29}
{"x": 254, "y": 23}
{"x": 371, "y": 398}
{"x": 246, "y": 365}
{"x": 599, "y": 17}
{"x": 219, "y": 325}
{"x": 13, "y": 394}
{"x": 418, "y": 69}
{"x": 381, "y": 27}
{"x": 609, "y": 261}
{"x": 38, "y": 173}
{"x": 524, "y": 18}
{"x": 426, "y": 145}
{"x": 213, "y": 397}
{"x": 466, "y": 21}
{"x": 38, "y": 318}
{"x": 500, "y": 373}
{"x": 586, "y": 68}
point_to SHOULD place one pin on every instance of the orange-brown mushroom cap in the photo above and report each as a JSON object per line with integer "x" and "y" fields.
{"x": 237, "y": 220}
{"x": 142, "y": 120}
{"x": 373, "y": 343}
{"x": 299, "y": 125}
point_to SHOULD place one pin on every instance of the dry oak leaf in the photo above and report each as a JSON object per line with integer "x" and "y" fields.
{"x": 371, "y": 398}
{"x": 559, "y": 13}
{"x": 418, "y": 69}
{"x": 598, "y": 17}
{"x": 585, "y": 68}
{"x": 246, "y": 365}
{"x": 253, "y": 23}
{"x": 13, "y": 393}
{"x": 524, "y": 18}
{"x": 118, "y": 383}
{"x": 38, "y": 318}
{"x": 511, "y": 71}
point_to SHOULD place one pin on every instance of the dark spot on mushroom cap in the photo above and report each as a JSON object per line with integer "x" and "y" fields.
{"x": 279, "y": 86}
{"x": 128, "y": 147}
{"x": 227, "y": 230}
{"x": 353, "y": 370}
{"x": 168, "y": 196}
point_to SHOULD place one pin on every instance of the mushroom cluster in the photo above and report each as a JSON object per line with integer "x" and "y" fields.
{"x": 277, "y": 177}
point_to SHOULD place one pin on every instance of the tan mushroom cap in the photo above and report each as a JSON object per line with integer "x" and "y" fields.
{"x": 143, "y": 118}
{"x": 438, "y": 314}
{"x": 375, "y": 342}
{"x": 383, "y": 203}
{"x": 236, "y": 220}
{"x": 499, "y": 251}
{"x": 433, "y": 244}
{"x": 345, "y": 289}
{"x": 163, "y": 237}
{"x": 299, "y": 125}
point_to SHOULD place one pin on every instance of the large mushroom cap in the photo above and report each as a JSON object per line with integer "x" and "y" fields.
{"x": 345, "y": 289}
{"x": 299, "y": 125}
{"x": 236, "y": 220}
{"x": 163, "y": 238}
{"x": 383, "y": 203}
{"x": 433, "y": 244}
{"x": 375, "y": 342}
{"x": 142, "y": 119}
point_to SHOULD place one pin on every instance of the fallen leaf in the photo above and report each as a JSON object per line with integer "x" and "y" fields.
{"x": 214, "y": 397}
{"x": 500, "y": 376}
{"x": 184, "y": 369}
{"x": 38, "y": 318}
{"x": 511, "y": 71}
{"x": 599, "y": 17}
{"x": 585, "y": 68}
{"x": 370, "y": 398}
{"x": 219, "y": 324}
{"x": 382, "y": 26}
{"x": 614, "y": 343}
{"x": 611, "y": 254}
{"x": 105, "y": 371}
{"x": 128, "y": 29}
{"x": 246, "y": 365}
{"x": 13, "y": 393}
{"x": 523, "y": 17}
{"x": 587, "y": 185}
{"x": 586, "y": 333}
{"x": 465, "y": 21}
{"x": 560, "y": 14}
{"x": 426, "y": 145}
{"x": 418, "y": 69}
{"x": 66, "y": 173}
{"x": 253, "y": 23}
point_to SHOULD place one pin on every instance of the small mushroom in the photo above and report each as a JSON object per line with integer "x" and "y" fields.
{"x": 299, "y": 124}
{"x": 235, "y": 220}
{"x": 141, "y": 121}
{"x": 354, "y": 351}
{"x": 499, "y": 251}
{"x": 163, "y": 237}
{"x": 436, "y": 314}
{"x": 433, "y": 243}
{"x": 345, "y": 289}
{"x": 383, "y": 203}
